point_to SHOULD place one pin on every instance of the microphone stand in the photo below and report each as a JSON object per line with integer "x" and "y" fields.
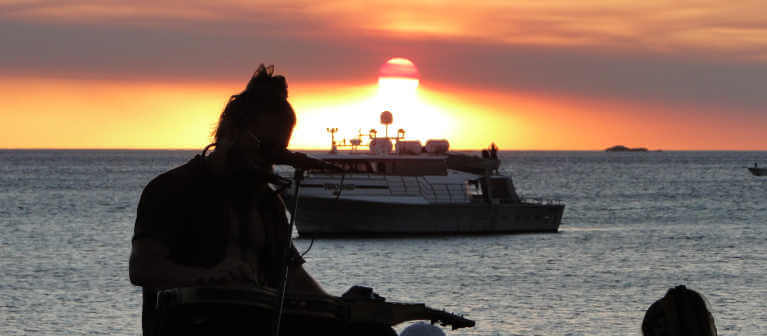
{"x": 298, "y": 175}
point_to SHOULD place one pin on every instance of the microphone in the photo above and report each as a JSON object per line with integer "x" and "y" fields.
{"x": 303, "y": 161}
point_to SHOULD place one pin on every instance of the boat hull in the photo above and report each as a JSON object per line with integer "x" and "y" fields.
{"x": 318, "y": 217}
{"x": 758, "y": 171}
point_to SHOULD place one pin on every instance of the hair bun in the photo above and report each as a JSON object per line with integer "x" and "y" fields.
{"x": 265, "y": 84}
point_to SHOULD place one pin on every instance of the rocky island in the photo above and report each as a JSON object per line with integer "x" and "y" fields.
{"x": 620, "y": 148}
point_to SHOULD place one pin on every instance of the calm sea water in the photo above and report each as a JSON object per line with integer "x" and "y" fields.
{"x": 635, "y": 224}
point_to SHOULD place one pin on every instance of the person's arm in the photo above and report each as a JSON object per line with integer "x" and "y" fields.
{"x": 300, "y": 281}
{"x": 150, "y": 266}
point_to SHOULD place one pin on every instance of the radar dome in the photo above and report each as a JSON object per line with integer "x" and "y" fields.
{"x": 386, "y": 118}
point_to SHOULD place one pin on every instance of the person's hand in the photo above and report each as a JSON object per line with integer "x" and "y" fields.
{"x": 228, "y": 270}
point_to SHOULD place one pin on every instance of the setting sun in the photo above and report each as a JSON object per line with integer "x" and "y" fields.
{"x": 419, "y": 114}
{"x": 398, "y": 81}
{"x": 397, "y": 84}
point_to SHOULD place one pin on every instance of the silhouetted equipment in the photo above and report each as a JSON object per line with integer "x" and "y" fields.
{"x": 360, "y": 305}
{"x": 386, "y": 119}
{"x": 412, "y": 147}
{"x": 332, "y": 132}
{"x": 437, "y": 146}
{"x": 381, "y": 145}
{"x": 305, "y": 162}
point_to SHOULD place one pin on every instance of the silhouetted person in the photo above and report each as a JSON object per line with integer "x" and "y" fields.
{"x": 215, "y": 222}
{"x": 493, "y": 151}
{"x": 422, "y": 329}
{"x": 680, "y": 312}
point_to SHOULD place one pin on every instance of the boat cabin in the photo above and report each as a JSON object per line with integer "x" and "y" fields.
{"x": 425, "y": 165}
{"x": 425, "y": 175}
{"x": 394, "y": 168}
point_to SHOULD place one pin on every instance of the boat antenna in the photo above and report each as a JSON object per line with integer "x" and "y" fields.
{"x": 332, "y": 132}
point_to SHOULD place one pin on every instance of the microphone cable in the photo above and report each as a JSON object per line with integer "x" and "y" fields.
{"x": 297, "y": 177}
{"x": 338, "y": 195}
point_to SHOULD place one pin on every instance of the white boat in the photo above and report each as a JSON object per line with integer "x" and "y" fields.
{"x": 397, "y": 187}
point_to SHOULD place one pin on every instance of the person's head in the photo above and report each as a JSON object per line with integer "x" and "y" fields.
{"x": 680, "y": 312}
{"x": 259, "y": 120}
{"x": 422, "y": 329}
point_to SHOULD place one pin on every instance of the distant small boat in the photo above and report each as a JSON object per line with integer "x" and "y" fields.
{"x": 756, "y": 171}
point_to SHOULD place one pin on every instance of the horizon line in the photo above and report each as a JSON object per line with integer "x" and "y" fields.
{"x": 321, "y": 149}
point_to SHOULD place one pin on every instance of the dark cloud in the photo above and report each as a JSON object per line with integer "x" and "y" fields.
{"x": 221, "y": 52}
{"x": 140, "y": 53}
{"x": 597, "y": 73}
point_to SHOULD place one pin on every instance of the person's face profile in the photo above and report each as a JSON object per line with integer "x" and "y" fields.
{"x": 274, "y": 130}
{"x": 243, "y": 151}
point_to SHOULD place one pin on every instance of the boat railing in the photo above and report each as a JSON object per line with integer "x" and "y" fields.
{"x": 541, "y": 201}
{"x": 371, "y": 176}
{"x": 450, "y": 193}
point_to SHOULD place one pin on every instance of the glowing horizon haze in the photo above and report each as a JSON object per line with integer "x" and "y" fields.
{"x": 547, "y": 74}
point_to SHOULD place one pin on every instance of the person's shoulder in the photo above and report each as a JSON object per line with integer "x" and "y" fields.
{"x": 179, "y": 178}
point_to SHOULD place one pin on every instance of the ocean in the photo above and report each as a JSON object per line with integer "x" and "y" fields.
{"x": 635, "y": 225}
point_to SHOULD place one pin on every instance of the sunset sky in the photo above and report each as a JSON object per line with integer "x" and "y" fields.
{"x": 543, "y": 74}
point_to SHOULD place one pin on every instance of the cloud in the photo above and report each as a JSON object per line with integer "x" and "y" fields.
{"x": 654, "y": 25}
{"x": 707, "y": 53}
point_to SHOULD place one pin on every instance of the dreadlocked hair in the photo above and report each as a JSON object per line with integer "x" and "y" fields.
{"x": 264, "y": 94}
{"x": 681, "y": 311}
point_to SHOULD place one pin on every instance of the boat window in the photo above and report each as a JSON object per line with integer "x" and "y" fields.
{"x": 410, "y": 167}
{"x": 473, "y": 187}
{"x": 417, "y": 167}
{"x": 362, "y": 167}
{"x": 333, "y": 186}
{"x": 350, "y": 166}
{"x": 380, "y": 168}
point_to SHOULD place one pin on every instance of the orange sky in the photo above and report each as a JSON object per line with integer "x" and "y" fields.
{"x": 552, "y": 75}
{"x": 99, "y": 114}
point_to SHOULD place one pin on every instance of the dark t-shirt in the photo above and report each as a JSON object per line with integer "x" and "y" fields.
{"x": 188, "y": 210}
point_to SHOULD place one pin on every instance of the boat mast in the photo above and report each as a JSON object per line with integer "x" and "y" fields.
{"x": 332, "y": 132}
